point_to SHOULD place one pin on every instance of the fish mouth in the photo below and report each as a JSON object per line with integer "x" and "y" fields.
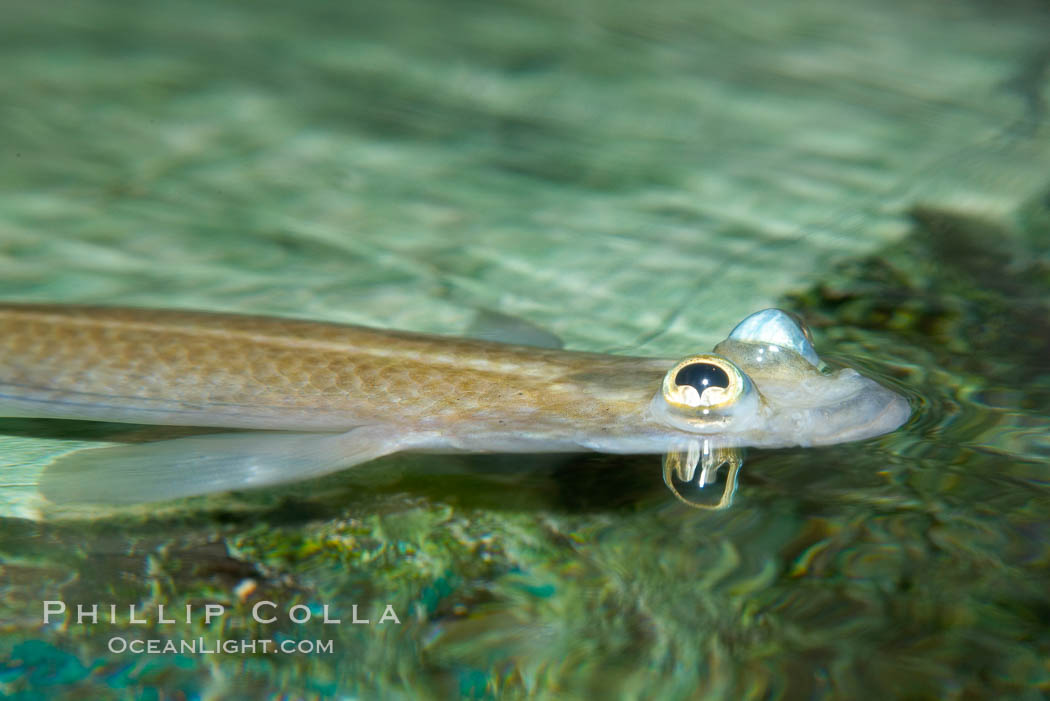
{"x": 894, "y": 414}
{"x": 871, "y": 411}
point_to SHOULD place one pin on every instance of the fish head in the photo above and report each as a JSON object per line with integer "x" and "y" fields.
{"x": 765, "y": 386}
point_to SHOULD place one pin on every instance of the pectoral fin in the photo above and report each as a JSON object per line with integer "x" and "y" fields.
{"x": 204, "y": 464}
{"x": 489, "y": 325}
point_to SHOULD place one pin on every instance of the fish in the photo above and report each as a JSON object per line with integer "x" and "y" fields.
{"x": 298, "y": 399}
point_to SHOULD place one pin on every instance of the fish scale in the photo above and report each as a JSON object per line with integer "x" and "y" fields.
{"x": 342, "y": 375}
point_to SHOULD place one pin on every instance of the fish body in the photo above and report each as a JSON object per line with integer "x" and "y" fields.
{"x": 232, "y": 371}
{"x": 310, "y": 397}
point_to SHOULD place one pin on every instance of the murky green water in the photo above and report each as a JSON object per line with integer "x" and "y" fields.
{"x": 631, "y": 178}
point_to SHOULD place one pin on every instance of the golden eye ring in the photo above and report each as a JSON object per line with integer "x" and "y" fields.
{"x": 703, "y": 383}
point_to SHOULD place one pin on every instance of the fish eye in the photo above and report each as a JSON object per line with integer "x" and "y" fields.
{"x": 702, "y": 383}
{"x": 779, "y": 328}
{"x": 700, "y": 376}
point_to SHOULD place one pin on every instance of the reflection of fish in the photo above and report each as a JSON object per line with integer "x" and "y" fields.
{"x": 323, "y": 396}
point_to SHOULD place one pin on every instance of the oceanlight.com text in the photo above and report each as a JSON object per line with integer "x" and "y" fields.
{"x": 205, "y": 646}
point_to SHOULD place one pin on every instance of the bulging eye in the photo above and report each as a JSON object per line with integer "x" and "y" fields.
{"x": 702, "y": 376}
{"x": 779, "y": 328}
{"x": 703, "y": 382}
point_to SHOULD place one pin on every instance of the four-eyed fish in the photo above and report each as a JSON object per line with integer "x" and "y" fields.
{"x": 312, "y": 398}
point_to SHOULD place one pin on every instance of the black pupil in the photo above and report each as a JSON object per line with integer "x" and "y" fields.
{"x": 701, "y": 376}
